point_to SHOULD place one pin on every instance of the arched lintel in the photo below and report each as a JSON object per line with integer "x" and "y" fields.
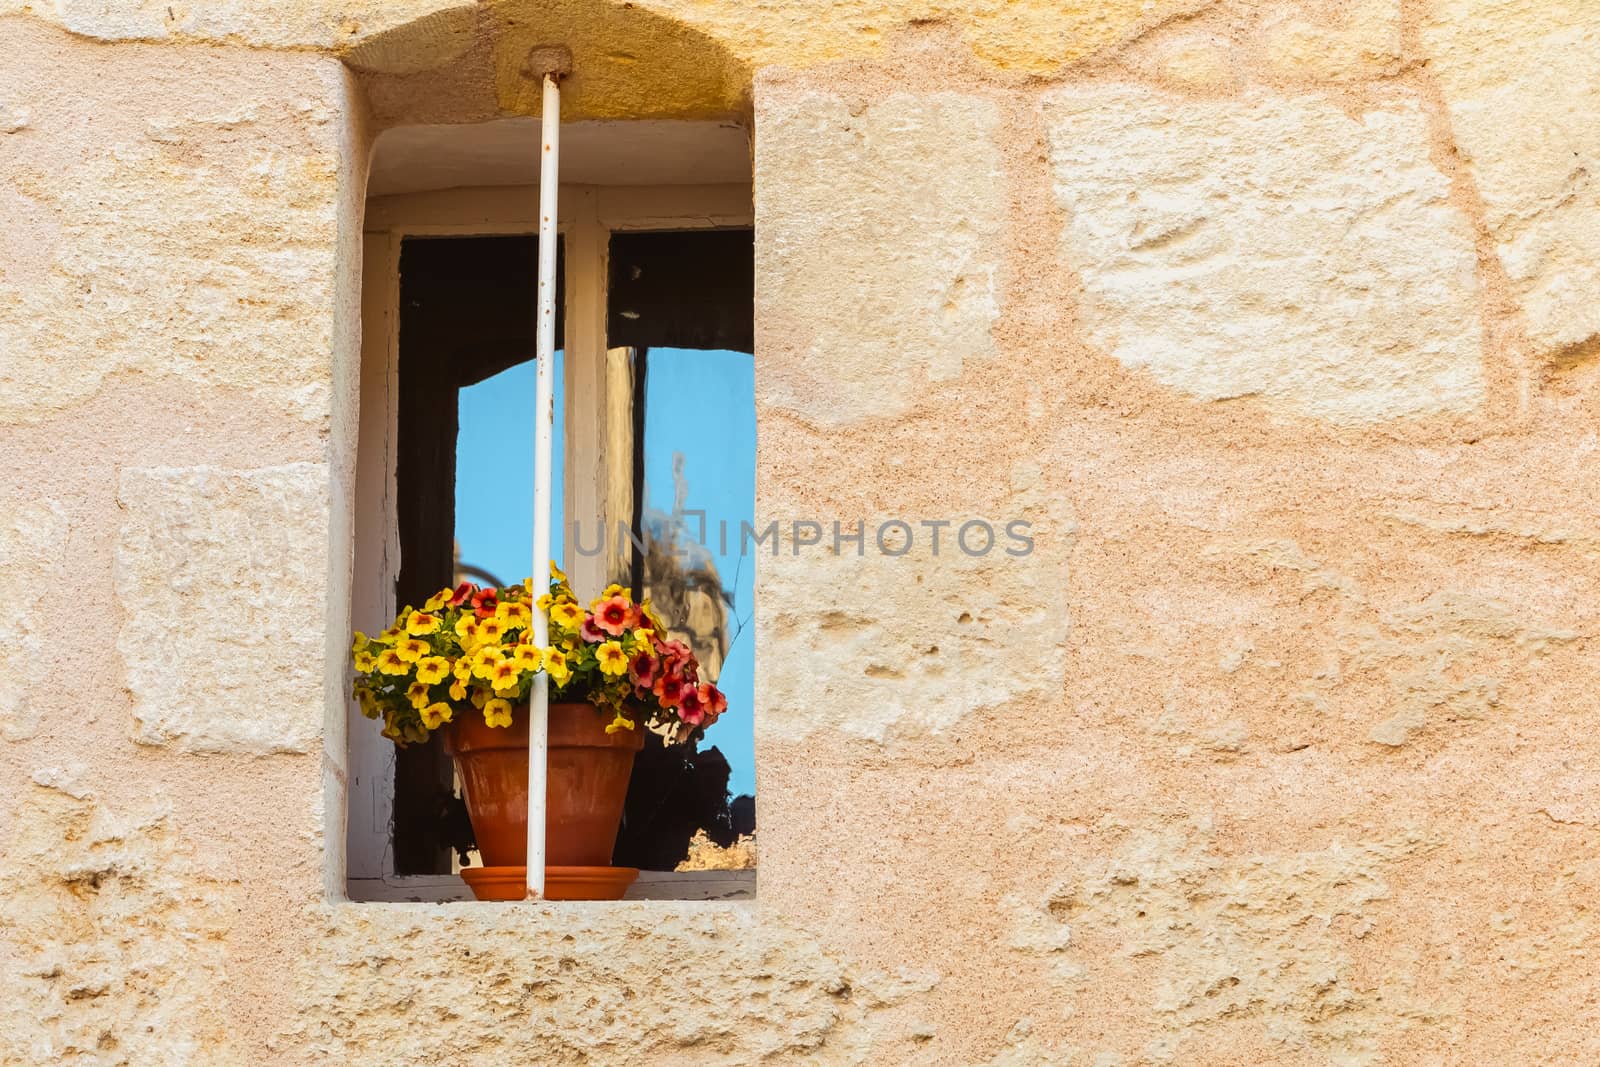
{"x": 468, "y": 62}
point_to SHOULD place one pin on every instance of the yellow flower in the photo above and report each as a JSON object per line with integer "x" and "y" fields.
{"x": 439, "y": 599}
{"x": 505, "y": 676}
{"x": 480, "y": 697}
{"x": 368, "y": 702}
{"x": 365, "y": 661}
{"x": 412, "y": 650}
{"x": 417, "y": 693}
{"x": 458, "y": 690}
{"x": 490, "y": 631}
{"x": 611, "y": 658}
{"x": 512, "y": 615}
{"x": 359, "y": 642}
{"x": 497, "y": 712}
{"x": 389, "y": 635}
{"x": 462, "y": 670}
{"x": 527, "y": 657}
{"x": 555, "y": 573}
{"x": 544, "y": 602}
{"x": 466, "y": 625}
{"x": 389, "y": 662}
{"x": 486, "y": 659}
{"x": 436, "y": 715}
{"x": 566, "y": 614}
{"x": 420, "y": 623}
{"x": 433, "y": 669}
{"x": 621, "y": 722}
{"x": 616, "y": 590}
{"x": 645, "y": 638}
{"x": 555, "y": 664}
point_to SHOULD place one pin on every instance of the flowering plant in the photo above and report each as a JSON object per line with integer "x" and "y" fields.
{"x": 470, "y": 650}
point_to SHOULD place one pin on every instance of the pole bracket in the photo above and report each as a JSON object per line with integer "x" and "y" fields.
{"x": 552, "y": 60}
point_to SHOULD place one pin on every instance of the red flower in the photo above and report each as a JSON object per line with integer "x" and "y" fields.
{"x": 484, "y": 603}
{"x": 463, "y": 591}
{"x": 642, "y": 669}
{"x": 713, "y": 699}
{"x": 691, "y": 709}
{"x": 675, "y": 653}
{"x": 588, "y": 632}
{"x": 669, "y": 689}
{"x": 614, "y": 615}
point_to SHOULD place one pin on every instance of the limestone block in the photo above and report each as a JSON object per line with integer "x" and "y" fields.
{"x": 1026, "y": 36}
{"x": 221, "y": 577}
{"x": 1446, "y": 658}
{"x": 1331, "y": 41}
{"x": 32, "y": 566}
{"x": 316, "y": 24}
{"x": 203, "y": 246}
{"x": 910, "y": 643}
{"x": 878, "y": 245}
{"x": 1193, "y": 60}
{"x": 1522, "y": 87}
{"x": 1269, "y": 246}
{"x": 1263, "y": 938}
{"x": 13, "y": 117}
{"x": 641, "y": 982}
{"x": 112, "y": 941}
{"x": 1029, "y": 36}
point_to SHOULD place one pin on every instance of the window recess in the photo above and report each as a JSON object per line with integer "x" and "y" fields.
{"x": 653, "y": 363}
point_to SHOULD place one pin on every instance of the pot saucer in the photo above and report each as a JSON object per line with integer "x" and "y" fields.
{"x": 560, "y": 883}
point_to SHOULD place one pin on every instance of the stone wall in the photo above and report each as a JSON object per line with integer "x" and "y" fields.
{"x": 1277, "y": 320}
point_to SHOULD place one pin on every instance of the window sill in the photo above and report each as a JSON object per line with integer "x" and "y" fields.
{"x": 651, "y": 885}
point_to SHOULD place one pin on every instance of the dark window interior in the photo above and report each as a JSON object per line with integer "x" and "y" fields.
{"x": 682, "y": 289}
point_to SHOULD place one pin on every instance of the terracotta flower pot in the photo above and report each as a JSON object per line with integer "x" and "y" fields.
{"x": 587, "y": 783}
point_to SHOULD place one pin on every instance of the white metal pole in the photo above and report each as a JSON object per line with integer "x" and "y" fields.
{"x": 544, "y": 418}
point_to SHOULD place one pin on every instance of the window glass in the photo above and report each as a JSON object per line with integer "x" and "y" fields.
{"x": 700, "y": 457}
{"x": 680, "y": 304}
{"x": 494, "y": 477}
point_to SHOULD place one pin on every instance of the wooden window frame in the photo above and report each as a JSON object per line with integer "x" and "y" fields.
{"x": 598, "y": 391}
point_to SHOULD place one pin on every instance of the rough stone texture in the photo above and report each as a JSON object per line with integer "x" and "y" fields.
{"x": 1322, "y": 269}
{"x": 114, "y": 940}
{"x": 1522, "y": 88}
{"x": 713, "y": 983}
{"x": 214, "y": 571}
{"x": 13, "y": 117}
{"x": 1030, "y": 36}
{"x": 853, "y": 207}
{"x": 32, "y": 562}
{"x": 1331, "y": 40}
{"x": 250, "y": 169}
{"x": 921, "y": 632}
{"x": 314, "y": 24}
{"x": 1219, "y": 954}
{"x": 1277, "y": 749}
{"x": 1025, "y": 36}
